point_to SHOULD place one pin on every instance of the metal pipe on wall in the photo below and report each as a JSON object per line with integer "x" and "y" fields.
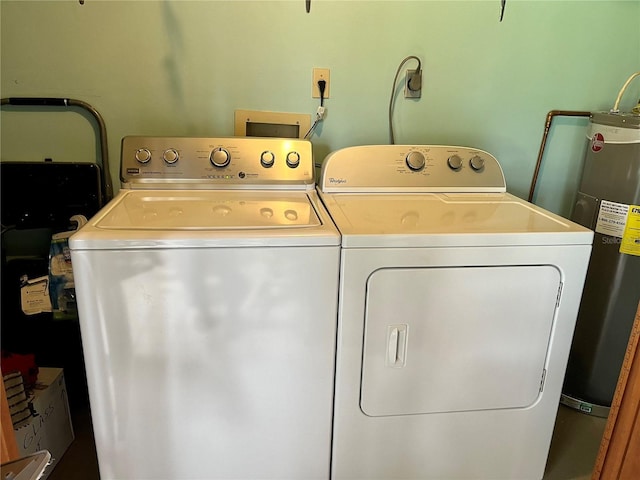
{"x": 547, "y": 126}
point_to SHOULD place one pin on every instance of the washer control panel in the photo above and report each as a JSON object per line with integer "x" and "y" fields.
{"x": 411, "y": 168}
{"x": 224, "y": 162}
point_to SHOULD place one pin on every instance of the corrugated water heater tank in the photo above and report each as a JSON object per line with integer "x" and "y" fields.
{"x": 609, "y": 203}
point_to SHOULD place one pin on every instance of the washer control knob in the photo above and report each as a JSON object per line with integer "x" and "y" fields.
{"x": 143, "y": 155}
{"x": 293, "y": 159}
{"x": 415, "y": 161}
{"x": 267, "y": 158}
{"x": 219, "y": 157}
{"x": 170, "y": 156}
{"x": 454, "y": 162}
{"x": 477, "y": 162}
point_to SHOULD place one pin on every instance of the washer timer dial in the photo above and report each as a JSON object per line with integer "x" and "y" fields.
{"x": 219, "y": 157}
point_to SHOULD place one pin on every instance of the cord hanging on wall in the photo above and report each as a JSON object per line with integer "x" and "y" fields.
{"x": 321, "y": 110}
{"x": 413, "y": 82}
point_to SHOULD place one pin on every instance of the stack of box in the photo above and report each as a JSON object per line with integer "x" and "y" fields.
{"x": 50, "y": 429}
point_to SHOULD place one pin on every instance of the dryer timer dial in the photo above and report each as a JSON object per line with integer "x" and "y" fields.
{"x": 415, "y": 161}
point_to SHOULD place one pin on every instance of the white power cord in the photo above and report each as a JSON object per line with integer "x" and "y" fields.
{"x": 321, "y": 110}
{"x": 616, "y": 105}
{"x": 319, "y": 118}
{"x": 393, "y": 91}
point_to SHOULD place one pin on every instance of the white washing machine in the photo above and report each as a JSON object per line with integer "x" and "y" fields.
{"x": 457, "y": 307}
{"x": 207, "y": 293}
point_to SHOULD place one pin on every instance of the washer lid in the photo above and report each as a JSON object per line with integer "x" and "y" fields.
{"x": 209, "y": 210}
{"x": 200, "y": 218}
{"x": 417, "y": 220}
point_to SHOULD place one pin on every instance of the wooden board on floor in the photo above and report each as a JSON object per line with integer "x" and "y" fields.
{"x": 619, "y": 455}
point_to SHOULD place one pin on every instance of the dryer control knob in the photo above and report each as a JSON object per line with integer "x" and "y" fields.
{"x": 267, "y": 158}
{"x": 143, "y": 155}
{"x": 477, "y": 163}
{"x": 170, "y": 156}
{"x": 415, "y": 161}
{"x": 293, "y": 159}
{"x": 219, "y": 157}
{"x": 454, "y": 162}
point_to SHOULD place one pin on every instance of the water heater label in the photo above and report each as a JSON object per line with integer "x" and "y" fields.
{"x": 612, "y": 218}
{"x": 597, "y": 142}
{"x": 631, "y": 237}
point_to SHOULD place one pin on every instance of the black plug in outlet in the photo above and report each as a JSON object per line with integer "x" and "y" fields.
{"x": 413, "y": 84}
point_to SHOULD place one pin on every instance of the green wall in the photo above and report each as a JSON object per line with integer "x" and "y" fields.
{"x": 183, "y": 67}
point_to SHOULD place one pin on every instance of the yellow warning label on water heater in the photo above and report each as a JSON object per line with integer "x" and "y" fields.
{"x": 631, "y": 237}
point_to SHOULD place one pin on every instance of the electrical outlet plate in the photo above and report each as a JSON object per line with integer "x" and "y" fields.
{"x": 320, "y": 74}
{"x": 411, "y": 93}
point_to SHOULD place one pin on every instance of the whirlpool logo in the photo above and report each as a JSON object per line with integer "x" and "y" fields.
{"x": 337, "y": 181}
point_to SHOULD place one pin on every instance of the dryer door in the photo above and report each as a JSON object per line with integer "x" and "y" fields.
{"x": 456, "y": 339}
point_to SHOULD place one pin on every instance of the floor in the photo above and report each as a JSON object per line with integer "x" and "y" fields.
{"x": 80, "y": 461}
{"x": 574, "y": 448}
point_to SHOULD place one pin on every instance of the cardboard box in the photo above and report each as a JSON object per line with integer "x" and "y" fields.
{"x": 51, "y": 429}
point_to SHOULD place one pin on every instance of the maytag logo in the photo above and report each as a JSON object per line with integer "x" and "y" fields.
{"x": 337, "y": 181}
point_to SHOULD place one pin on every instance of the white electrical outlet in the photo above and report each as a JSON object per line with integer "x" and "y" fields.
{"x": 408, "y": 93}
{"x": 320, "y": 74}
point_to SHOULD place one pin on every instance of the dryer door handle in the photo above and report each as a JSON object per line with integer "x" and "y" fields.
{"x": 392, "y": 347}
{"x": 396, "y": 355}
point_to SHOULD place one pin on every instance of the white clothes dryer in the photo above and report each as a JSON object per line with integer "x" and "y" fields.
{"x": 207, "y": 294}
{"x": 457, "y": 307}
